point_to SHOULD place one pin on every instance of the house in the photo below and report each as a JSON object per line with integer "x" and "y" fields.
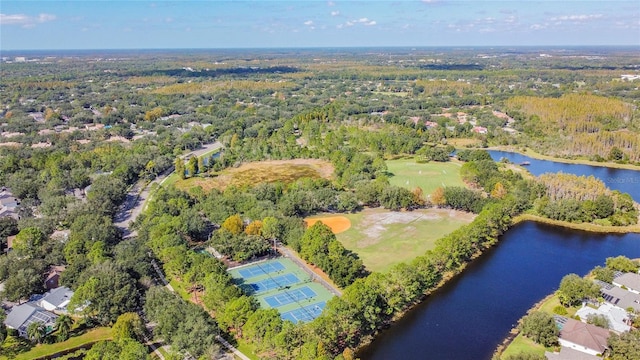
{"x": 8, "y": 204}
{"x": 56, "y": 300}
{"x": 618, "y": 318}
{"x": 620, "y": 297}
{"x": 570, "y": 354}
{"x": 479, "y": 130}
{"x": 430, "y": 124}
{"x": 22, "y": 316}
{"x": 53, "y": 277}
{"x": 582, "y": 337}
{"x": 630, "y": 281}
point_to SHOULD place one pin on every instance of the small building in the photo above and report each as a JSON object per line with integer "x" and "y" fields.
{"x": 53, "y": 277}
{"x": 582, "y": 337}
{"x": 570, "y": 354}
{"x": 56, "y": 300}
{"x": 630, "y": 281}
{"x": 22, "y": 316}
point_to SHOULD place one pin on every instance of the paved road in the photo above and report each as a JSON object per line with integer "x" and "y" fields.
{"x": 139, "y": 193}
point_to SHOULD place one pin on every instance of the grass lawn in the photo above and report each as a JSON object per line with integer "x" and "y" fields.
{"x": 246, "y": 348}
{"x": 522, "y": 344}
{"x": 429, "y": 176}
{"x": 250, "y": 174}
{"x": 98, "y": 334}
{"x": 383, "y": 238}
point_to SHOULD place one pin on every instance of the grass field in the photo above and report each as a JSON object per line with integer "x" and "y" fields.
{"x": 429, "y": 176}
{"x": 522, "y": 344}
{"x": 92, "y": 336}
{"x": 384, "y": 238}
{"x": 250, "y": 174}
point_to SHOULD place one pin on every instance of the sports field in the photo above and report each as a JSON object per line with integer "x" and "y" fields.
{"x": 429, "y": 176}
{"x": 282, "y": 285}
{"x": 383, "y": 238}
{"x": 337, "y": 223}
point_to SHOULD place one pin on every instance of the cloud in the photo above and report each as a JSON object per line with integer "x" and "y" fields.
{"x": 335, "y": 13}
{"x": 25, "y": 21}
{"x": 331, "y": 3}
{"x": 308, "y": 22}
{"x": 581, "y": 17}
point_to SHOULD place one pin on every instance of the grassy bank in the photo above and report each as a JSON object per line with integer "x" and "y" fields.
{"x": 582, "y": 226}
{"x": 533, "y": 154}
{"x": 40, "y": 351}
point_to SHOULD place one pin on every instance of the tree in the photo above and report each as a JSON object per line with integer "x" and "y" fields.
{"x": 621, "y": 263}
{"x": 36, "y": 331}
{"x": 3, "y": 327}
{"x": 498, "y": 191}
{"x": 540, "y": 327}
{"x": 625, "y": 346}
{"x": 22, "y": 284}
{"x": 599, "y": 320}
{"x": 437, "y": 197}
{"x": 271, "y": 228}
{"x": 254, "y": 228}
{"x": 236, "y": 313}
{"x": 573, "y": 289}
{"x": 106, "y": 291}
{"x": 616, "y": 154}
{"x": 233, "y": 224}
{"x": 128, "y": 326}
{"x": 64, "y": 323}
{"x": 180, "y": 168}
{"x": 603, "y": 273}
{"x": 29, "y": 240}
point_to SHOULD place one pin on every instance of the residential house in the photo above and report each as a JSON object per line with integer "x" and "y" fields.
{"x": 630, "y": 281}
{"x": 479, "y": 130}
{"x": 21, "y": 316}
{"x": 8, "y": 204}
{"x": 618, "y": 318}
{"x": 624, "y": 299}
{"x": 582, "y": 337}
{"x": 570, "y": 354}
{"x": 56, "y": 300}
{"x": 53, "y": 277}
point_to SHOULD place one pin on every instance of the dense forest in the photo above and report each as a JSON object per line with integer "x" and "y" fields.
{"x": 79, "y": 133}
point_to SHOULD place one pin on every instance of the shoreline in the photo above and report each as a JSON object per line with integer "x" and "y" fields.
{"x": 535, "y": 155}
{"x": 575, "y": 226}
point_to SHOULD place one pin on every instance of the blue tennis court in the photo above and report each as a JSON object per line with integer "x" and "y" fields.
{"x": 290, "y": 296}
{"x": 261, "y": 269}
{"x": 274, "y": 283}
{"x": 306, "y": 313}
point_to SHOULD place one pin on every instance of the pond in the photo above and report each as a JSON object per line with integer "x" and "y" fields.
{"x": 473, "y": 313}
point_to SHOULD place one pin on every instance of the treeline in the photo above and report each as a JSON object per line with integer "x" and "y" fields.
{"x": 592, "y": 125}
{"x": 575, "y": 198}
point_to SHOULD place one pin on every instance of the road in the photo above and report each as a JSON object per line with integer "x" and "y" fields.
{"x": 133, "y": 206}
{"x": 139, "y": 193}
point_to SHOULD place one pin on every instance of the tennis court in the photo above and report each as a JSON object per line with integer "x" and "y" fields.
{"x": 278, "y": 282}
{"x": 290, "y": 296}
{"x": 259, "y": 269}
{"x": 282, "y": 285}
{"x": 306, "y": 313}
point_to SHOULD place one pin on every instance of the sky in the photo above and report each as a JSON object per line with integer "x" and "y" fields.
{"x": 54, "y": 24}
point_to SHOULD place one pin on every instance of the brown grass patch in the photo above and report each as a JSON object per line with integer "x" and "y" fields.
{"x": 337, "y": 224}
{"x": 251, "y": 174}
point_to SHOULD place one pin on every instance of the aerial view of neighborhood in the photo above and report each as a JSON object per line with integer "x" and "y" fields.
{"x": 320, "y": 180}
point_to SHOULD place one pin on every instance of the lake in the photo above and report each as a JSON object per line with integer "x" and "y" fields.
{"x": 473, "y": 313}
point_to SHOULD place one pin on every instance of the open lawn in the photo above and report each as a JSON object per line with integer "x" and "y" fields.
{"x": 40, "y": 351}
{"x": 250, "y": 174}
{"x": 383, "y": 238}
{"x": 521, "y": 344}
{"x": 429, "y": 176}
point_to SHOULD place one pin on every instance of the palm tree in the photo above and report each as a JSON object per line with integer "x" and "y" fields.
{"x": 36, "y": 331}
{"x": 63, "y": 325}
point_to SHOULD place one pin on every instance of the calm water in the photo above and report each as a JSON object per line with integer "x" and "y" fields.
{"x": 472, "y": 314}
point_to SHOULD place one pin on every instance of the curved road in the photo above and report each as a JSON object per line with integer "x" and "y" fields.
{"x": 139, "y": 193}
